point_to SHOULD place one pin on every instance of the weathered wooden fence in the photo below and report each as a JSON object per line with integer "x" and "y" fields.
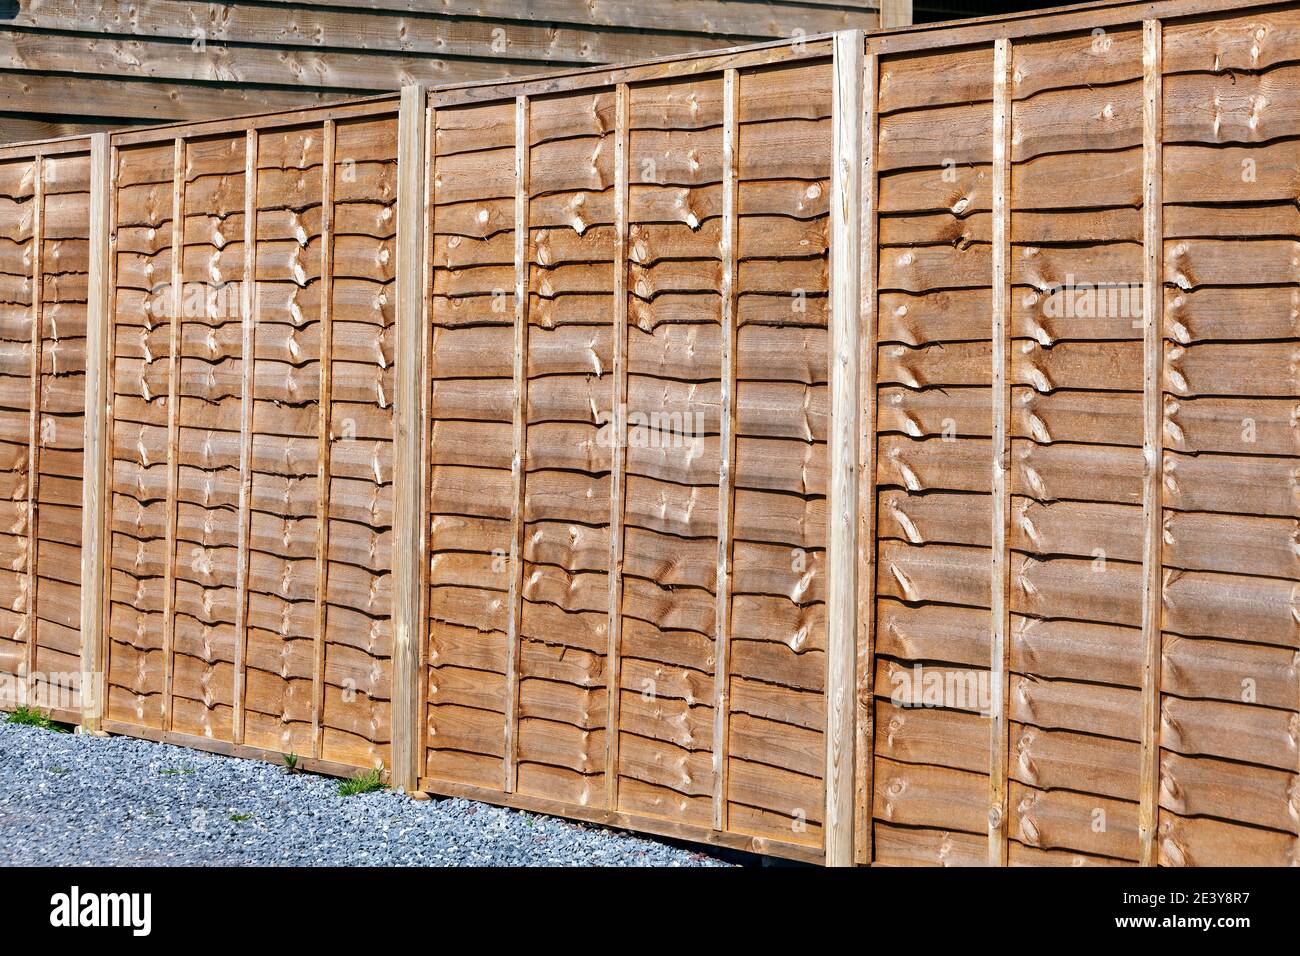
{"x": 862, "y": 449}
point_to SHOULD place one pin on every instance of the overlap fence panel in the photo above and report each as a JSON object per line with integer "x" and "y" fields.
{"x": 44, "y": 261}
{"x": 627, "y": 518}
{"x": 249, "y": 599}
{"x": 1099, "y": 199}
{"x": 864, "y": 448}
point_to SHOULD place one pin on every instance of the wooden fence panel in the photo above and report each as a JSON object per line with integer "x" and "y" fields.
{"x": 353, "y": 682}
{"x": 671, "y": 239}
{"x": 44, "y": 262}
{"x": 206, "y": 507}
{"x": 572, "y": 343}
{"x": 19, "y": 178}
{"x": 139, "y": 371}
{"x": 250, "y": 606}
{"x": 1137, "y": 172}
{"x": 672, "y": 408}
{"x": 62, "y": 290}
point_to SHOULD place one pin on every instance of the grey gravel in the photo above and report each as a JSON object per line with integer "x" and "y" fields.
{"x": 114, "y": 801}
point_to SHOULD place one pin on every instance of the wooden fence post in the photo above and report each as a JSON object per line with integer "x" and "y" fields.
{"x": 864, "y": 770}
{"x": 618, "y": 464}
{"x": 842, "y": 517}
{"x": 999, "y": 741}
{"x": 324, "y": 422}
{"x": 34, "y": 426}
{"x": 176, "y": 301}
{"x": 94, "y": 438}
{"x": 408, "y": 482}
{"x": 249, "y": 302}
{"x": 1152, "y": 434}
{"x": 727, "y": 444}
{"x": 519, "y": 439}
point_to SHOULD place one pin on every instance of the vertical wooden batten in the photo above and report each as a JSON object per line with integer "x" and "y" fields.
{"x": 868, "y": 323}
{"x": 324, "y": 425}
{"x": 999, "y": 741}
{"x": 408, "y": 507}
{"x": 426, "y": 432}
{"x": 1152, "y": 434}
{"x": 94, "y": 487}
{"x": 728, "y": 251}
{"x": 618, "y": 454}
{"x": 173, "y": 422}
{"x": 519, "y": 436}
{"x": 248, "y": 331}
{"x": 104, "y": 468}
{"x": 842, "y": 517}
{"x": 34, "y": 420}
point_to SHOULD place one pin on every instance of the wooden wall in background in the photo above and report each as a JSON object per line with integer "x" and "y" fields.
{"x": 70, "y": 66}
{"x": 44, "y": 260}
{"x": 1076, "y": 492}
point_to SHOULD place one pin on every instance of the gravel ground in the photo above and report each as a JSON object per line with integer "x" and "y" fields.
{"x": 116, "y": 801}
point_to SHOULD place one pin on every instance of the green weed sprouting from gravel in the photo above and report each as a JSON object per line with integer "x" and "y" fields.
{"x": 28, "y": 717}
{"x": 290, "y": 763}
{"x": 240, "y": 817}
{"x": 367, "y": 782}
